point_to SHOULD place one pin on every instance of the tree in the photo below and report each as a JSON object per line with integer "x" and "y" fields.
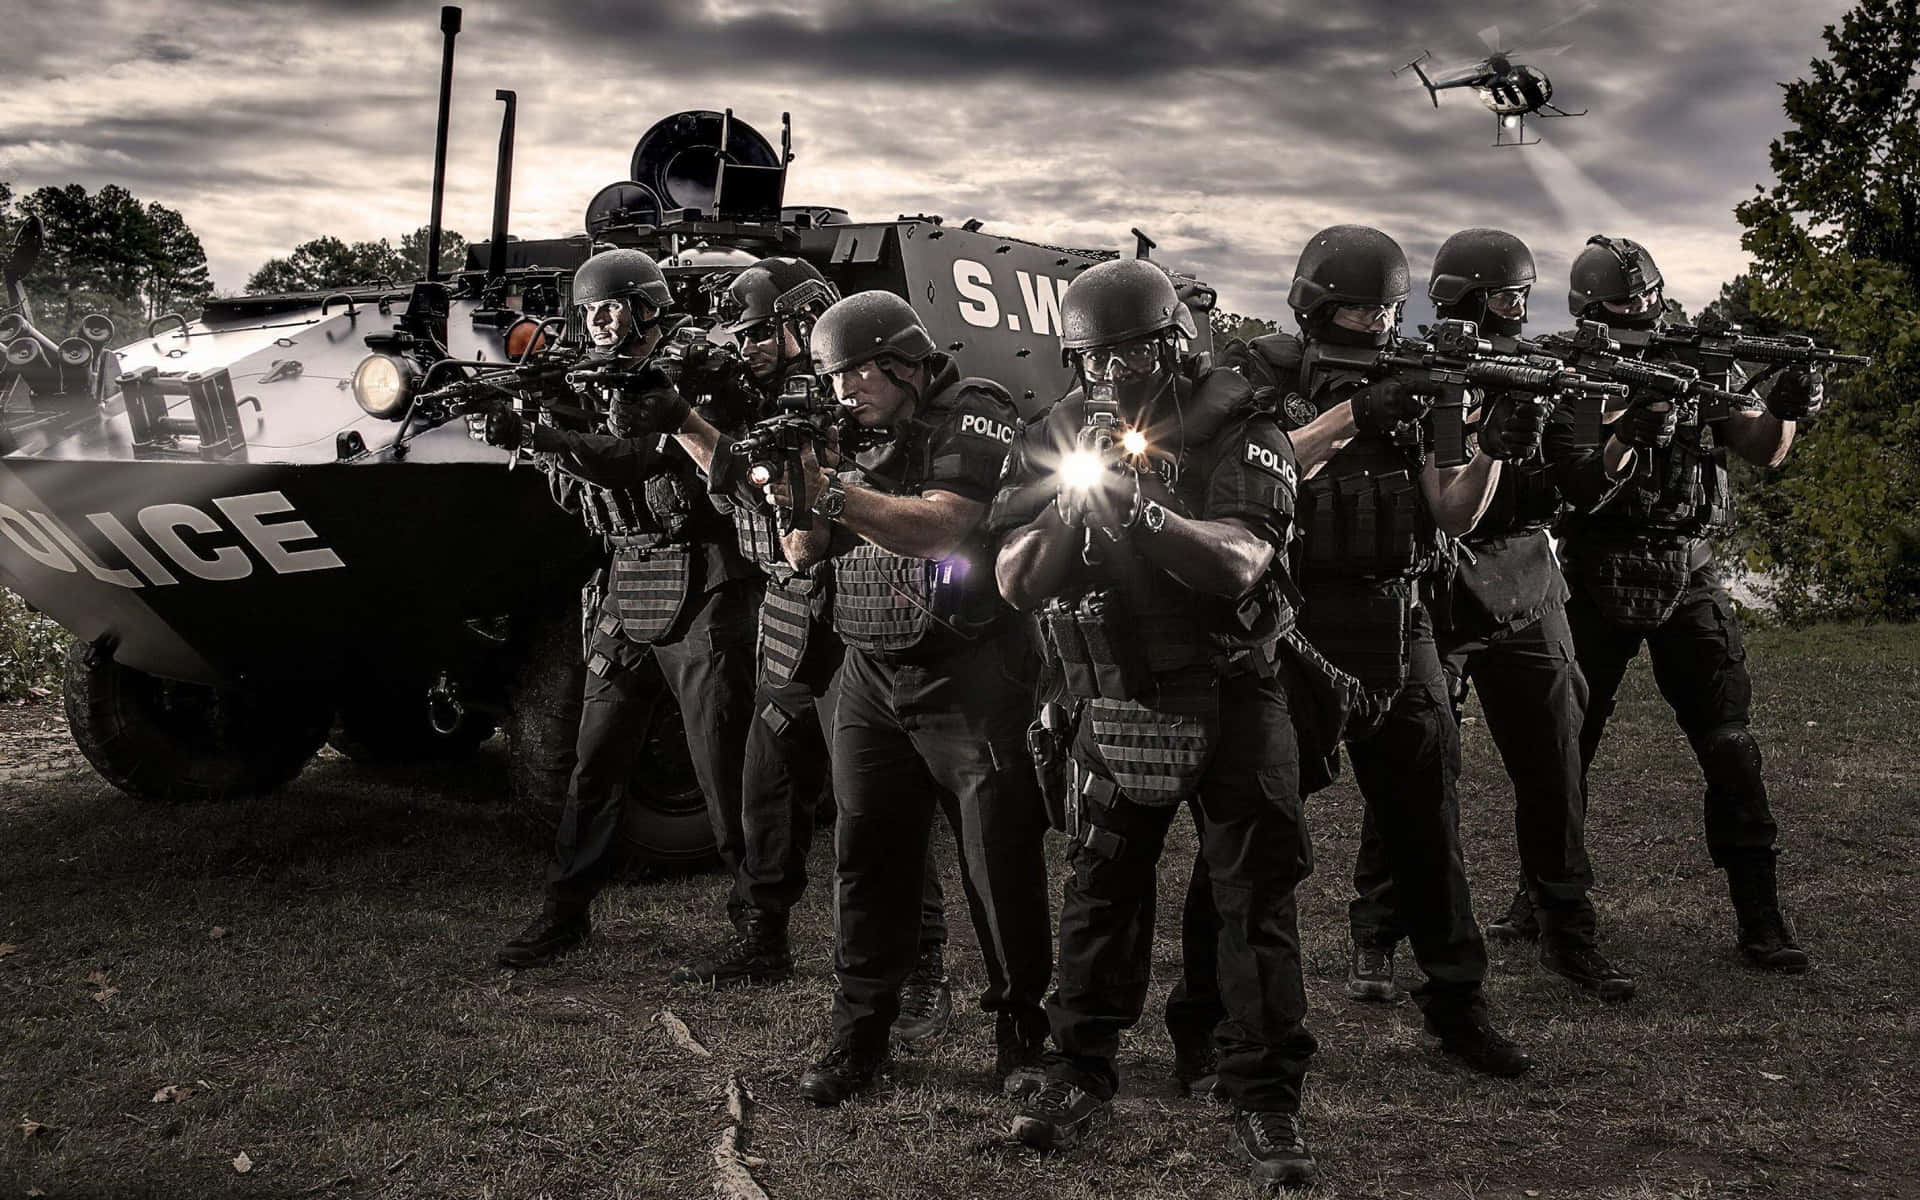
{"x": 1836, "y": 253}
{"x": 108, "y": 253}
{"x": 1233, "y": 325}
{"x": 327, "y": 262}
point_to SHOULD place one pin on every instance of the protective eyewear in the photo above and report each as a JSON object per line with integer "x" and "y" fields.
{"x": 1136, "y": 358}
{"x": 1508, "y": 302}
{"x": 1366, "y": 314}
{"x": 759, "y": 331}
{"x": 1636, "y": 304}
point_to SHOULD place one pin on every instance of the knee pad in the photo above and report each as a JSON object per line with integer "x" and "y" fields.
{"x": 1730, "y": 758}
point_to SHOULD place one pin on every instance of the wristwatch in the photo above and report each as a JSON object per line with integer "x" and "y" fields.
{"x": 832, "y": 500}
{"x": 1153, "y": 517}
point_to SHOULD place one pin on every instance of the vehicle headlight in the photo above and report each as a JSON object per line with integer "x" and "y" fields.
{"x": 382, "y": 385}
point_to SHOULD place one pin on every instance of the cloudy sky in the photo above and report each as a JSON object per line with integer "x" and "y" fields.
{"x": 1230, "y": 130}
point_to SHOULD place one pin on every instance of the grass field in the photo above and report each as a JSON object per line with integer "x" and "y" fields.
{"x": 317, "y": 970}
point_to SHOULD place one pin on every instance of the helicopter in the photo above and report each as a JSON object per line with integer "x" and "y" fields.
{"x": 1511, "y": 90}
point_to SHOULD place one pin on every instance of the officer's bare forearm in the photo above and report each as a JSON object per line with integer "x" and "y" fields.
{"x": 1458, "y": 496}
{"x": 1033, "y": 563}
{"x": 931, "y": 525}
{"x": 1316, "y": 442}
{"x": 1759, "y": 437}
{"x": 700, "y": 440}
{"x": 807, "y": 548}
{"x": 1216, "y": 558}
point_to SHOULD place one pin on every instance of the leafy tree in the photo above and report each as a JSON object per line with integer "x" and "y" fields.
{"x": 1233, "y": 325}
{"x": 328, "y": 262}
{"x": 1836, "y": 253}
{"x": 108, "y": 253}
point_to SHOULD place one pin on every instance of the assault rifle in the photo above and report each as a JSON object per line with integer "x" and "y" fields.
{"x": 1452, "y": 358}
{"x": 537, "y": 381}
{"x": 804, "y": 415}
{"x": 1716, "y": 337}
{"x": 1591, "y": 348}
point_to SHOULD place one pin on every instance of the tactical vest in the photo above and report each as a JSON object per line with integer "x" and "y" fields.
{"x": 888, "y": 602}
{"x": 1366, "y": 536}
{"x": 1146, "y": 653}
{"x": 652, "y": 563}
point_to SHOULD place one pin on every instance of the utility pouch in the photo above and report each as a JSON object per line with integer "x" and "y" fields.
{"x": 669, "y": 505}
{"x": 1636, "y": 589}
{"x": 1118, "y": 656}
{"x": 592, "y": 594}
{"x": 1089, "y": 795}
{"x": 1069, "y": 649}
{"x": 1363, "y": 628}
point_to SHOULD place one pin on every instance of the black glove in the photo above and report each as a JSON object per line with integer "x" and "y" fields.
{"x": 656, "y": 407}
{"x": 1646, "y": 426}
{"x": 1511, "y": 427}
{"x": 1797, "y": 394}
{"x": 498, "y": 425}
{"x": 1378, "y": 407}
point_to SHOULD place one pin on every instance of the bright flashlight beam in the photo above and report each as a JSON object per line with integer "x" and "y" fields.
{"x": 1080, "y": 470}
{"x": 1134, "y": 442}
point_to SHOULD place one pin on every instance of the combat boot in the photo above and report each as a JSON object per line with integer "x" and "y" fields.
{"x": 757, "y": 954}
{"x": 1518, "y": 923}
{"x": 1765, "y": 936}
{"x": 1582, "y": 963}
{"x": 1058, "y": 1115}
{"x": 555, "y": 931}
{"x": 1370, "y": 974}
{"x": 847, "y": 1068}
{"x": 1271, "y": 1141}
{"x": 1470, "y": 1037}
{"x": 926, "y": 999}
{"x": 1018, "y": 1046}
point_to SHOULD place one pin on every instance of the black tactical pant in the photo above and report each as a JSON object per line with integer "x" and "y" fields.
{"x": 1254, "y": 850}
{"x": 1534, "y": 699}
{"x": 785, "y": 779}
{"x": 707, "y": 658}
{"x": 910, "y": 737}
{"x": 1700, "y": 665}
{"x": 1408, "y": 772}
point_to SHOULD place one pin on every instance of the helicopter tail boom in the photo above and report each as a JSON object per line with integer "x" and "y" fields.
{"x": 1414, "y": 66}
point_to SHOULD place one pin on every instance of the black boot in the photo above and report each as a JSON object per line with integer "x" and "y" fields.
{"x": 555, "y": 931}
{"x": 1470, "y": 1037}
{"x": 758, "y": 954}
{"x": 926, "y": 1000}
{"x": 1765, "y": 937}
{"x": 1271, "y": 1142}
{"x": 1517, "y": 924}
{"x": 1581, "y": 963}
{"x": 847, "y": 1068}
{"x": 1019, "y": 1042}
{"x": 1196, "y": 1062}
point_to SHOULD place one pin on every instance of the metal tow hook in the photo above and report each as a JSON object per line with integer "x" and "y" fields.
{"x": 445, "y": 710}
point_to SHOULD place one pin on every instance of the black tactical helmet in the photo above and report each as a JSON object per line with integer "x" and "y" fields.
{"x": 1610, "y": 269}
{"x": 1483, "y": 260}
{"x": 776, "y": 287}
{"x": 1120, "y": 300}
{"x": 621, "y": 275}
{"x": 864, "y": 326}
{"x": 1348, "y": 264}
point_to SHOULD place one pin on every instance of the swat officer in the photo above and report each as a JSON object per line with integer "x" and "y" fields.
{"x": 1372, "y": 510}
{"x": 679, "y": 589}
{"x": 1148, "y": 517}
{"x": 770, "y": 308}
{"x": 1642, "y": 570}
{"x": 935, "y": 689}
{"x": 1502, "y": 626}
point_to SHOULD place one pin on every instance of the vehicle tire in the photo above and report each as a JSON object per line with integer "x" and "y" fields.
{"x": 390, "y": 728}
{"x": 157, "y": 739}
{"x": 665, "y": 827}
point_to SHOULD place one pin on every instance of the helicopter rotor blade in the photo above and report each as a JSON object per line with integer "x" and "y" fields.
{"x": 1542, "y": 51}
{"x": 1490, "y": 36}
{"x": 1575, "y": 15}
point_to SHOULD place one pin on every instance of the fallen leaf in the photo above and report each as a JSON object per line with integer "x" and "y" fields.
{"x": 217, "y": 932}
{"x": 38, "y": 693}
{"x": 173, "y": 1093}
{"x": 1813, "y": 724}
{"x": 241, "y": 1163}
{"x": 7, "y": 948}
{"x": 105, "y": 994}
{"x": 1531, "y": 1192}
{"x": 97, "y": 978}
{"x": 29, "y": 1126}
{"x": 1770, "y": 1077}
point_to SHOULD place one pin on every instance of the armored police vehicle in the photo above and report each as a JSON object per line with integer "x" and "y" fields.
{"x": 260, "y": 544}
